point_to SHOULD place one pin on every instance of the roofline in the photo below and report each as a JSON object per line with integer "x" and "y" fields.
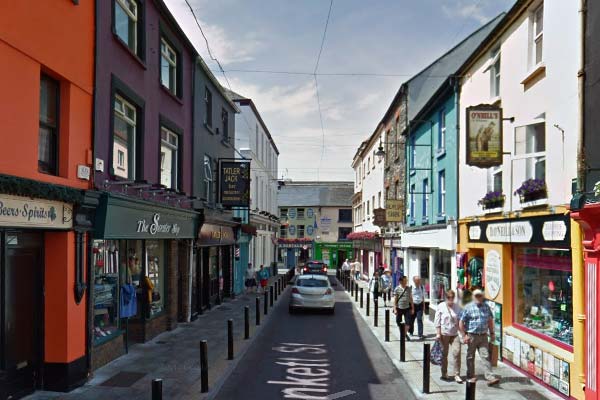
{"x": 511, "y": 15}
{"x": 165, "y": 12}
{"x": 245, "y": 102}
{"x": 216, "y": 83}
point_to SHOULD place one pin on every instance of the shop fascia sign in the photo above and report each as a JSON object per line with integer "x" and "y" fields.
{"x": 18, "y": 211}
{"x": 154, "y": 226}
{"x": 542, "y": 230}
{"x": 510, "y": 232}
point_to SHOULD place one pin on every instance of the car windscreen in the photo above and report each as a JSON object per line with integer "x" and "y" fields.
{"x": 311, "y": 283}
{"x": 315, "y": 266}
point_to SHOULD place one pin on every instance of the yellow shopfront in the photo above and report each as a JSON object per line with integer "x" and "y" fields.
{"x": 532, "y": 273}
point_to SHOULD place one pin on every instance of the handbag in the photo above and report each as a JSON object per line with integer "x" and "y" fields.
{"x": 436, "y": 353}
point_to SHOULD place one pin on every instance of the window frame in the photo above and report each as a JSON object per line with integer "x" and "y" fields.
{"x": 139, "y": 49}
{"x": 208, "y": 179}
{"x": 54, "y": 129}
{"x": 425, "y": 200}
{"x": 208, "y": 107}
{"x": 495, "y": 69}
{"x": 225, "y": 124}
{"x": 176, "y": 169}
{"x": 300, "y": 214}
{"x": 442, "y": 130}
{"x": 537, "y": 37}
{"x": 412, "y": 202}
{"x": 174, "y": 64}
{"x": 300, "y": 231}
{"x": 537, "y": 156}
{"x": 442, "y": 193}
{"x": 132, "y": 149}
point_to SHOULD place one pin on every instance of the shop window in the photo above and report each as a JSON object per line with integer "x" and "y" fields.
{"x": 442, "y": 266}
{"x": 124, "y": 138}
{"x": 168, "y": 66}
{"x": 155, "y": 275}
{"x": 543, "y": 294}
{"x": 169, "y": 158}
{"x": 126, "y": 23}
{"x": 48, "y": 130}
{"x": 530, "y": 145}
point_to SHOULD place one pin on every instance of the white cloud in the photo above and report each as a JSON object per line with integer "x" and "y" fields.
{"x": 466, "y": 9}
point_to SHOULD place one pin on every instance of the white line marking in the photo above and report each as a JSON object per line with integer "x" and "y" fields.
{"x": 341, "y": 394}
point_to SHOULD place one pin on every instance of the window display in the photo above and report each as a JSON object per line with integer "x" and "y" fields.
{"x": 543, "y": 292}
{"x": 155, "y": 275}
{"x": 442, "y": 261}
{"x": 105, "y": 261}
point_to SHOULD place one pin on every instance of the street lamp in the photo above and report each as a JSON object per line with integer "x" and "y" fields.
{"x": 380, "y": 152}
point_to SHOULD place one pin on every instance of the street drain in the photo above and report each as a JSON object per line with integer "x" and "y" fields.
{"x": 123, "y": 379}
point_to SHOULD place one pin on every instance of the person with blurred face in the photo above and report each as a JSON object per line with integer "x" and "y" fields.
{"x": 446, "y": 325}
{"x": 418, "y": 294}
{"x": 403, "y": 304}
{"x": 476, "y": 321}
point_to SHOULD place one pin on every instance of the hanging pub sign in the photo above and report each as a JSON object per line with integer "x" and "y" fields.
{"x": 484, "y": 136}
{"x": 393, "y": 210}
{"x": 234, "y": 183}
{"x": 379, "y": 215}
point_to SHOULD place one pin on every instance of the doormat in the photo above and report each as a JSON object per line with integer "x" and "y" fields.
{"x": 123, "y": 379}
{"x": 532, "y": 395}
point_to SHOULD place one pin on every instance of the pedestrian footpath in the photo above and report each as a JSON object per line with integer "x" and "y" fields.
{"x": 174, "y": 356}
{"x": 513, "y": 385}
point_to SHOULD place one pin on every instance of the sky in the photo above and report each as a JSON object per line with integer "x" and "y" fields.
{"x": 383, "y": 37}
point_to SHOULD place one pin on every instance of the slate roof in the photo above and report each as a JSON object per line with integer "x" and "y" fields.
{"x": 426, "y": 83}
{"x": 316, "y": 194}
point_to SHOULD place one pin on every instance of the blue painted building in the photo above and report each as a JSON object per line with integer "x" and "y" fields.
{"x": 432, "y": 129}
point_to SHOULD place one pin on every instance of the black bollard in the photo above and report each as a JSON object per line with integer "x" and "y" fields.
{"x": 356, "y": 293}
{"x": 426, "y": 366}
{"x": 368, "y": 304}
{"x": 387, "y": 325}
{"x": 470, "y": 393}
{"x": 230, "y": 339}
{"x": 376, "y": 311}
{"x": 157, "y": 389}
{"x": 203, "y": 366}
{"x": 402, "y": 341}
{"x": 351, "y": 288}
{"x": 362, "y": 295}
{"x": 271, "y": 294}
{"x": 276, "y": 290}
{"x": 266, "y": 305}
{"x": 246, "y": 322}
{"x": 257, "y": 311}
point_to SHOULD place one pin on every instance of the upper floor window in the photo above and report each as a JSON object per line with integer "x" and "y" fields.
{"x": 168, "y": 66}
{"x": 537, "y": 44}
{"x": 345, "y": 215}
{"x": 425, "y": 198}
{"x": 368, "y": 164}
{"x": 379, "y": 200}
{"x": 300, "y": 231}
{"x": 530, "y": 145}
{"x": 442, "y": 130}
{"x": 374, "y": 158}
{"x": 126, "y": 23}
{"x": 495, "y": 179}
{"x": 124, "y": 138}
{"x": 48, "y": 130}
{"x": 283, "y": 232}
{"x": 343, "y": 233}
{"x": 283, "y": 213}
{"x": 442, "y": 193}
{"x": 225, "y": 122}
{"x": 368, "y": 208}
{"x": 495, "y": 73}
{"x": 207, "y": 107}
{"x": 208, "y": 179}
{"x": 169, "y": 158}
{"x": 301, "y": 213}
{"x": 412, "y": 201}
{"x": 413, "y": 150}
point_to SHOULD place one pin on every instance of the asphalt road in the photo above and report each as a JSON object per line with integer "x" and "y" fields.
{"x": 316, "y": 356}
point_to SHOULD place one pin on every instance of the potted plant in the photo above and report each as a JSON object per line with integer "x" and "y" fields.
{"x": 492, "y": 200}
{"x": 532, "y": 189}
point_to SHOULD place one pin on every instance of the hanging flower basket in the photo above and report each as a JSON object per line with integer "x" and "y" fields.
{"x": 531, "y": 190}
{"x": 362, "y": 236}
{"x": 492, "y": 200}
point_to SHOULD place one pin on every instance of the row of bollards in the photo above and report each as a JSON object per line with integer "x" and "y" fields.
{"x": 275, "y": 290}
{"x": 353, "y": 289}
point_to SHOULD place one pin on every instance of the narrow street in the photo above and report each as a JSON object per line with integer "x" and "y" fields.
{"x": 336, "y": 352}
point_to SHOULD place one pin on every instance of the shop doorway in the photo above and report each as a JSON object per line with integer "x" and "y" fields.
{"x": 291, "y": 258}
{"x": 22, "y": 264}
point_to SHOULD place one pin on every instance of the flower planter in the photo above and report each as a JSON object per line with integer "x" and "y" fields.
{"x": 533, "y": 196}
{"x": 493, "y": 204}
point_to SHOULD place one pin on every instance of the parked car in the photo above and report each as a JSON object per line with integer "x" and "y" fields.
{"x": 311, "y": 291}
{"x": 315, "y": 268}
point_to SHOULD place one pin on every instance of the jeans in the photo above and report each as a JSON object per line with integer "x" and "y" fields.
{"x": 479, "y": 343}
{"x": 450, "y": 346}
{"x": 418, "y": 316}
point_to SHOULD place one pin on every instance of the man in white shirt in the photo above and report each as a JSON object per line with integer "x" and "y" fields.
{"x": 418, "y": 295}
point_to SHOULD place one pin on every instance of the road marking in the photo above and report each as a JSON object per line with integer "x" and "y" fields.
{"x": 341, "y": 394}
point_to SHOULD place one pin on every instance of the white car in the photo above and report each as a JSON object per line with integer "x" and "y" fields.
{"x": 312, "y": 292}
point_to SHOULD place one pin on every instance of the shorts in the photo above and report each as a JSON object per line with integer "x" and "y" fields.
{"x": 264, "y": 282}
{"x": 403, "y": 312}
{"x": 250, "y": 282}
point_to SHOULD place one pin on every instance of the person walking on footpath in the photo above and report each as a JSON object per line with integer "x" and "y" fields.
{"x": 418, "y": 294}
{"x": 263, "y": 276}
{"x": 375, "y": 287}
{"x": 446, "y": 323}
{"x": 250, "y": 279}
{"x": 357, "y": 270}
{"x": 403, "y": 304}
{"x": 386, "y": 285}
{"x": 476, "y": 321}
{"x": 346, "y": 269}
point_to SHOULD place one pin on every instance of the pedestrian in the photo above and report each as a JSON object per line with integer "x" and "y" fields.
{"x": 446, "y": 323}
{"x": 375, "y": 286}
{"x": 386, "y": 285}
{"x": 352, "y": 270}
{"x": 418, "y": 295}
{"x": 403, "y": 304}
{"x": 380, "y": 269}
{"x": 476, "y": 321}
{"x": 357, "y": 270}
{"x": 346, "y": 269}
{"x": 263, "y": 276}
{"x": 250, "y": 279}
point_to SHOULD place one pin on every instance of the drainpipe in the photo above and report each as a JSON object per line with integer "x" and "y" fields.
{"x": 458, "y": 133}
{"x": 581, "y": 163}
